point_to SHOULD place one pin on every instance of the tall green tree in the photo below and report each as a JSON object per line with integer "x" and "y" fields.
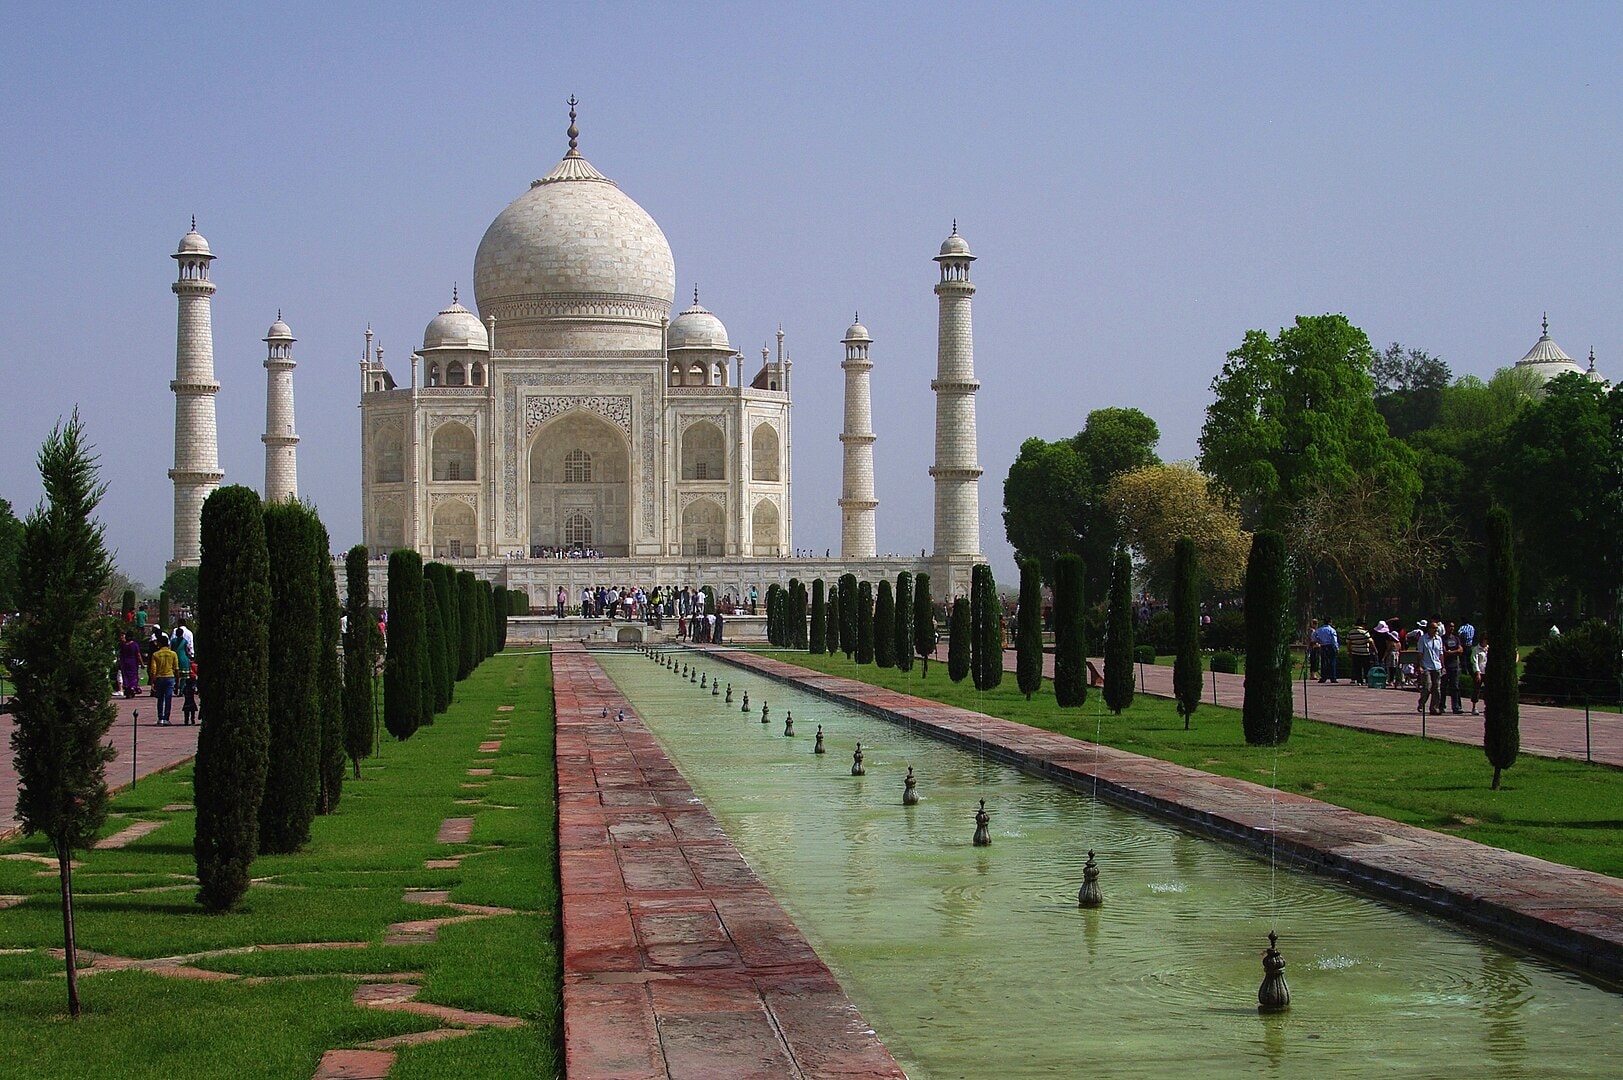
{"x": 233, "y": 744}
{"x": 181, "y": 585}
{"x": 797, "y": 615}
{"x": 127, "y": 606}
{"x": 819, "y": 618}
{"x": 1266, "y": 713}
{"x": 500, "y": 607}
{"x": 450, "y": 642}
{"x": 1501, "y": 707}
{"x": 1186, "y": 673}
{"x": 439, "y": 679}
{"x": 468, "y": 603}
{"x": 924, "y": 632}
{"x": 904, "y": 621}
{"x": 986, "y": 629}
{"x": 864, "y": 618}
{"x": 163, "y": 611}
{"x": 884, "y": 626}
{"x": 958, "y": 647}
{"x": 1055, "y": 499}
{"x": 1070, "y": 636}
{"x": 1409, "y": 387}
{"x": 330, "y": 687}
{"x": 1295, "y": 412}
{"x": 1028, "y": 641}
{"x": 358, "y": 657}
{"x": 831, "y": 629}
{"x": 487, "y": 601}
{"x": 293, "y": 781}
{"x": 404, "y": 655}
{"x": 848, "y": 614}
{"x": 58, "y": 654}
{"x": 11, "y": 539}
{"x": 774, "y": 628}
{"x": 1118, "y": 689}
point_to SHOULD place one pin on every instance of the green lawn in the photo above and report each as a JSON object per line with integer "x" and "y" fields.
{"x": 345, "y": 886}
{"x": 1564, "y": 811}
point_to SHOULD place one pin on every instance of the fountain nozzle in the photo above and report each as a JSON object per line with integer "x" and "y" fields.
{"x": 789, "y": 725}
{"x": 856, "y": 762}
{"x": 1273, "y": 995}
{"x": 1089, "y": 896}
{"x": 763, "y": 714}
{"x": 983, "y": 826}
{"x": 910, "y": 789}
{"x": 746, "y": 707}
{"x": 817, "y": 748}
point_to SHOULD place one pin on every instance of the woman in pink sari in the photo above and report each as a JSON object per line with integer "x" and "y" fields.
{"x": 129, "y": 665}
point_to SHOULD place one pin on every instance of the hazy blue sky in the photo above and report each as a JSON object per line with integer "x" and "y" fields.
{"x": 1141, "y": 183}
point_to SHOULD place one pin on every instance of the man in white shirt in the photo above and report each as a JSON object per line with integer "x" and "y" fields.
{"x": 1430, "y": 668}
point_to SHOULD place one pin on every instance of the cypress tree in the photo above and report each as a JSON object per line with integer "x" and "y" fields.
{"x": 958, "y": 629}
{"x": 1186, "y": 672}
{"x": 797, "y": 596}
{"x": 163, "y": 610}
{"x": 500, "y": 607}
{"x": 487, "y": 622}
{"x": 439, "y": 680}
{"x": 1119, "y": 643}
{"x": 1266, "y": 713}
{"x": 831, "y": 629}
{"x": 864, "y": 619}
{"x": 444, "y": 579}
{"x": 903, "y": 631}
{"x": 468, "y": 620}
{"x": 1070, "y": 633}
{"x": 1501, "y": 720}
{"x": 128, "y": 607}
{"x": 924, "y": 632}
{"x": 358, "y": 657}
{"x": 233, "y": 745}
{"x": 791, "y": 636}
{"x": 403, "y": 657}
{"x": 293, "y": 780}
{"x": 848, "y": 614}
{"x": 884, "y": 626}
{"x": 819, "y": 618}
{"x": 1028, "y": 641}
{"x": 986, "y": 629}
{"x": 330, "y": 688}
{"x": 57, "y": 653}
{"x": 773, "y": 636}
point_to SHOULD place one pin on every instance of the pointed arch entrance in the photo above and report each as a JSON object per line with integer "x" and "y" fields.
{"x": 580, "y": 485}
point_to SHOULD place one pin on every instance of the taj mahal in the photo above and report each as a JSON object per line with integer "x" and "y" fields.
{"x": 571, "y": 432}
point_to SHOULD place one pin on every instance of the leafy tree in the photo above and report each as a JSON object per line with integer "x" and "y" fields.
{"x": 831, "y": 631}
{"x": 358, "y": 657}
{"x": 1501, "y": 706}
{"x": 1266, "y": 714}
{"x": 331, "y": 689}
{"x": 864, "y": 616}
{"x": 1054, "y": 499}
{"x": 294, "y": 538}
{"x": 1583, "y": 665}
{"x": 11, "y": 539}
{"x": 848, "y": 614}
{"x": 58, "y": 654}
{"x": 182, "y": 585}
{"x": 924, "y": 632}
{"x": 904, "y": 622}
{"x": 986, "y": 629}
{"x": 819, "y": 617}
{"x": 1297, "y": 410}
{"x": 1070, "y": 636}
{"x": 1159, "y": 503}
{"x": 1028, "y": 640}
{"x": 468, "y": 620}
{"x": 1409, "y": 386}
{"x": 884, "y": 626}
{"x": 404, "y": 656}
{"x": 1355, "y": 531}
{"x": 958, "y": 631}
{"x": 439, "y": 679}
{"x": 1118, "y": 688}
{"x": 1186, "y": 681}
{"x": 233, "y": 745}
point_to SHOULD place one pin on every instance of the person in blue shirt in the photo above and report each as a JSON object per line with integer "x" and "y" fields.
{"x": 1329, "y": 644}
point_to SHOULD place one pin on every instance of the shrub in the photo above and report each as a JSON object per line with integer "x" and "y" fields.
{"x": 1028, "y": 640}
{"x": 293, "y": 781}
{"x": 864, "y": 619}
{"x": 1225, "y": 663}
{"x": 233, "y": 745}
{"x": 986, "y": 629}
{"x": 330, "y": 688}
{"x": 1266, "y": 714}
{"x": 467, "y": 593}
{"x": 884, "y": 626}
{"x": 1070, "y": 640}
{"x": 1580, "y": 665}
{"x": 774, "y": 628}
{"x": 831, "y": 631}
{"x": 903, "y": 635}
{"x": 403, "y": 656}
{"x": 924, "y": 631}
{"x": 1144, "y": 654}
{"x": 848, "y": 614}
{"x": 819, "y": 618}
{"x": 443, "y": 578}
{"x": 958, "y": 630}
{"x": 1226, "y": 631}
{"x": 439, "y": 679}
{"x": 1160, "y": 633}
{"x": 1119, "y": 641}
{"x": 358, "y": 657}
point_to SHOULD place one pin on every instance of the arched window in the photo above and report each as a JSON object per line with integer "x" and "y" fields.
{"x": 676, "y": 375}
{"x": 476, "y": 375}
{"x": 696, "y": 374}
{"x": 704, "y": 452}
{"x": 453, "y": 456}
{"x": 764, "y": 453}
{"x": 389, "y": 459}
{"x": 578, "y": 469}
{"x": 764, "y": 529}
{"x": 578, "y": 530}
{"x": 433, "y": 374}
{"x": 456, "y": 374}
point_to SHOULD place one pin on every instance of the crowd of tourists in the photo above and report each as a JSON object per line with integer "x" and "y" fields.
{"x": 1436, "y": 658}
{"x": 168, "y": 659}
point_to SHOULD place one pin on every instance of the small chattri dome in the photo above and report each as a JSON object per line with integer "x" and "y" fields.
{"x": 697, "y": 328}
{"x": 455, "y": 327}
{"x": 1546, "y": 358}
{"x": 193, "y": 243}
{"x": 857, "y": 332}
{"x": 279, "y": 330}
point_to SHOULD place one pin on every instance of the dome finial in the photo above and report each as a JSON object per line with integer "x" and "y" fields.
{"x": 279, "y": 319}
{"x": 454, "y": 299}
{"x": 695, "y": 294}
{"x": 574, "y": 132}
{"x": 955, "y": 226}
{"x": 856, "y": 316}
{"x": 1592, "y": 358}
{"x": 194, "y": 223}
{"x": 1546, "y": 324}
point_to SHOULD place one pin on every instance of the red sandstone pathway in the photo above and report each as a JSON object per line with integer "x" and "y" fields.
{"x": 156, "y": 749}
{"x": 677, "y": 960}
{"x": 1574, "y": 915}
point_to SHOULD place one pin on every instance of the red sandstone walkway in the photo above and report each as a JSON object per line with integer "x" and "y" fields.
{"x": 1573, "y": 915}
{"x": 677, "y": 960}
{"x": 156, "y": 749}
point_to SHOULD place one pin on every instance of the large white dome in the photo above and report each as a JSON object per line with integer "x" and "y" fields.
{"x": 575, "y": 263}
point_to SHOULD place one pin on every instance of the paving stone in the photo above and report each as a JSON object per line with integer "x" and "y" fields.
{"x": 125, "y": 837}
{"x": 455, "y": 831}
{"x": 354, "y": 1065}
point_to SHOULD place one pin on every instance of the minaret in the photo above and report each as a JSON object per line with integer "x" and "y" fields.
{"x": 281, "y": 442}
{"x": 197, "y": 448}
{"x": 956, "y": 471}
{"x": 857, "y": 502}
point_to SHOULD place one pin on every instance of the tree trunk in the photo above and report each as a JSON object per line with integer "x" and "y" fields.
{"x": 356, "y": 762}
{"x": 1496, "y": 778}
{"x": 64, "y": 862}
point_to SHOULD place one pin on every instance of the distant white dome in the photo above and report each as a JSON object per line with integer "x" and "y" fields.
{"x": 697, "y": 328}
{"x": 955, "y": 246}
{"x": 857, "y": 332}
{"x": 279, "y": 331}
{"x": 193, "y": 243}
{"x": 1547, "y": 359}
{"x": 456, "y": 328}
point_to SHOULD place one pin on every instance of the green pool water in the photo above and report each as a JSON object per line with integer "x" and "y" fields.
{"x": 976, "y": 962}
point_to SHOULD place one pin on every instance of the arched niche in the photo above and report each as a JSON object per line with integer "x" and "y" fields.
{"x": 704, "y": 528}
{"x": 388, "y": 527}
{"x": 704, "y": 452}
{"x": 453, "y": 456}
{"x": 455, "y": 532}
{"x": 766, "y": 534}
{"x": 580, "y": 484}
{"x": 388, "y": 455}
{"x": 456, "y": 374}
{"x": 765, "y": 453}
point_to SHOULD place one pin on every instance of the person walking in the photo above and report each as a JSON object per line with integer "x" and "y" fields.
{"x": 1429, "y": 671}
{"x": 1329, "y": 645}
{"x": 1453, "y": 658}
{"x": 1479, "y": 668}
{"x": 129, "y": 665}
{"x": 1360, "y": 651}
{"x": 165, "y": 666}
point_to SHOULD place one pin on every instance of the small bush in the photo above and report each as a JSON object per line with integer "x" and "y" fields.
{"x": 1580, "y": 664}
{"x": 1226, "y": 632}
{"x": 1226, "y": 663}
{"x": 1144, "y": 654}
{"x": 1161, "y": 633}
